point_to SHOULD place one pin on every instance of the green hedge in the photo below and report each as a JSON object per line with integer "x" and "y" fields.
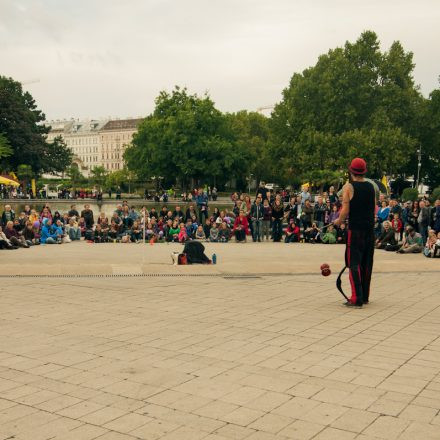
{"x": 435, "y": 194}
{"x": 410, "y": 194}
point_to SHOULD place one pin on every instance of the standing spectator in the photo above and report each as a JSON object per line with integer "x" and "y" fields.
{"x": 305, "y": 195}
{"x": 8, "y": 215}
{"x": 307, "y": 214}
{"x": 257, "y": 215}
{"x": 262, "y": 191}
{"x": 87, "y": 214}
{"x": 320, "y": 210}
{"x": 334, "y": 214}
{"x": 267, "y": 218}
{"x": 277, "y": 220}
{"x": 383, "y": 213}
{"x": 333, "y": 196}
{"x": 414, "y": 215}
{"x": 202, "y": 205}
{"x": 436, "y": 216}
{"x": 214, "y": 194}
{"x": 423, "y": 220}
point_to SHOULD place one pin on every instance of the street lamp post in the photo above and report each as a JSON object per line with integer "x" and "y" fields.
{"x": 419, "y": 165}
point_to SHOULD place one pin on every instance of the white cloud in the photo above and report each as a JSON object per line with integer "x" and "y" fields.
{"x": 98, "y": 58}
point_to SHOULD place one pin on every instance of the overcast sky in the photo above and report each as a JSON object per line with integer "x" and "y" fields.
{"x": 96, "y": 58}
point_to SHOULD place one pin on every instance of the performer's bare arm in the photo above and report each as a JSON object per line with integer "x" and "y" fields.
{"x": 347, "y": 195}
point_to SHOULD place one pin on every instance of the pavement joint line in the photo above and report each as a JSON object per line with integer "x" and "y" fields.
{"x": 207, "y": 275}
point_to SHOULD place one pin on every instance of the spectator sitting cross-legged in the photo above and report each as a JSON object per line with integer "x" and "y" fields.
{"x": 412, "y": 242}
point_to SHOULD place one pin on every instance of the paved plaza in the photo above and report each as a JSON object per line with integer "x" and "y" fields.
{"x": 257, "y": 347}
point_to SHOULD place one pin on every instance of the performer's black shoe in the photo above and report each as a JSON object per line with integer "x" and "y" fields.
{"x": 350, "y": 304}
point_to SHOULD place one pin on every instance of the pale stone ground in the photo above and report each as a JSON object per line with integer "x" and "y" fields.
{"x": 272, "y": 357}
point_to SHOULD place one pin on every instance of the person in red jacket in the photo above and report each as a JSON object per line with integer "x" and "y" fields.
{"x": 241, "y": 227}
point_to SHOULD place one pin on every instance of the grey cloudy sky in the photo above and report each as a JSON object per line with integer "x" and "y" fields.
{"x": 96, "y": 58}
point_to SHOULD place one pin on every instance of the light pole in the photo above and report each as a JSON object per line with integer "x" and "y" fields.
{"x": 249, "y": 183}
{"x": 419, "y": 165}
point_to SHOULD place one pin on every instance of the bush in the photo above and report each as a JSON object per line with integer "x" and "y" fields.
{"x": 410, "y": 194}
{"x": 435, "y": 194}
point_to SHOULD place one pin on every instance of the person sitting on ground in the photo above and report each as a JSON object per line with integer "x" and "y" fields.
{"x": 311, "y": 234}
{"x": 60, "y": 230}
{"x": 114, "y": 232}
{"x": 200, "y": 234}
{"x": 136, "y": 233}
{"x": 190, "y": 228}
{"x": 5, "y": 243}
{"x": 207, "y": 227}
{"x": 14, "y": 237}
{"x": 431, "y": 249}
{"x": 292, "y": 232}
{"x": 341, "y": 234}
{"x": 29, "y": 235}
{"x": 183, "y": 234}
{"x": 33, "y": 217}
{"x": 49, "y": 234}
{"x": 412, "y": 242}
{"x": 241, "y": 227}
{"x": 99, "y": 235}
{"x": 73, "y": 230}
{"x": 329, "y": 236}
{"x": 224, "y": 233}
{"x": 214, "y": 233}
{"x": 173, "y": 232}
{"x": 387, "y": 237}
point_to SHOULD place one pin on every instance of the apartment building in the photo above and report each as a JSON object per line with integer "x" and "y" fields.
{"x": 96, "y": 142}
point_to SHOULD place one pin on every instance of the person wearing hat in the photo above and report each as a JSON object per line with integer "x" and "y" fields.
{"x": 358, "y": 204}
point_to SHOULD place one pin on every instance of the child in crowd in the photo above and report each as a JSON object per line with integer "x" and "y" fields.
{"x": 329, "y": 237}
{"x": 183, "y": 234}
{"x": 214, "y": 233}
{"x": 200, "y": 233}
{"x": 224, "y": 234}
{"x": 397, "y": 226}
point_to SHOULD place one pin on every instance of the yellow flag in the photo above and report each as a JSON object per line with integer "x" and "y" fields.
{"x": 34, "y": 187}
{"x": 385, "y": 181}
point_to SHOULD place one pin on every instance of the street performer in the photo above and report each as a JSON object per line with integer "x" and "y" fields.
{"x": 358, "y": 204}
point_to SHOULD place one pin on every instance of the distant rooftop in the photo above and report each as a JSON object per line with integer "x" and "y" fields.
{"x": 122, "y": 124}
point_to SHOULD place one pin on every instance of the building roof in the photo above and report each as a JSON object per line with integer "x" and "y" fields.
{"x": 122, "y": 124}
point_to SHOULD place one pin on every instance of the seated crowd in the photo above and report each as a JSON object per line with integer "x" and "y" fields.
{"x": 404, "y": 228}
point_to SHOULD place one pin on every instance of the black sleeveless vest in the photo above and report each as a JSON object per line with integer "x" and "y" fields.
{"x": 362, "y": 207}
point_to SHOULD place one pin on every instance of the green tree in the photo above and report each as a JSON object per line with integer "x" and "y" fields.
{"x": 57, "y": 157}
{"x": 21, "y": 123}
{"x": 185, "y": 138}
{"x": 250, "y": 131}
{"x": 356, "y": 101}
{"x": 5, "y": 147}
{"x": 75, "y": 176}
{"x": 99, "y": 175}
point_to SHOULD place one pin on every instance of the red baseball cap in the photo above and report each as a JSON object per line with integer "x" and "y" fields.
{"x": 358, "y": 166}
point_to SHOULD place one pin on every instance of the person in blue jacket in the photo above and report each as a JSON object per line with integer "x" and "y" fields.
{"x": 49, "y": 235}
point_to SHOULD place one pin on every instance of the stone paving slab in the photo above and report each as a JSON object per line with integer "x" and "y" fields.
{"x": 224, "y": 358}
{"x": 81, "y": 258}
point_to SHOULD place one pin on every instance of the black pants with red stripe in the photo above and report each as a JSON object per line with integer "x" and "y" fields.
{"x": 359, "y": 255}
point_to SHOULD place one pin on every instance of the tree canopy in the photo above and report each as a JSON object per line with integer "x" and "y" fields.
{"x": 185, "y": 138}
{"x": 21, "y": 124}
{"x": 356, "y": 101}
